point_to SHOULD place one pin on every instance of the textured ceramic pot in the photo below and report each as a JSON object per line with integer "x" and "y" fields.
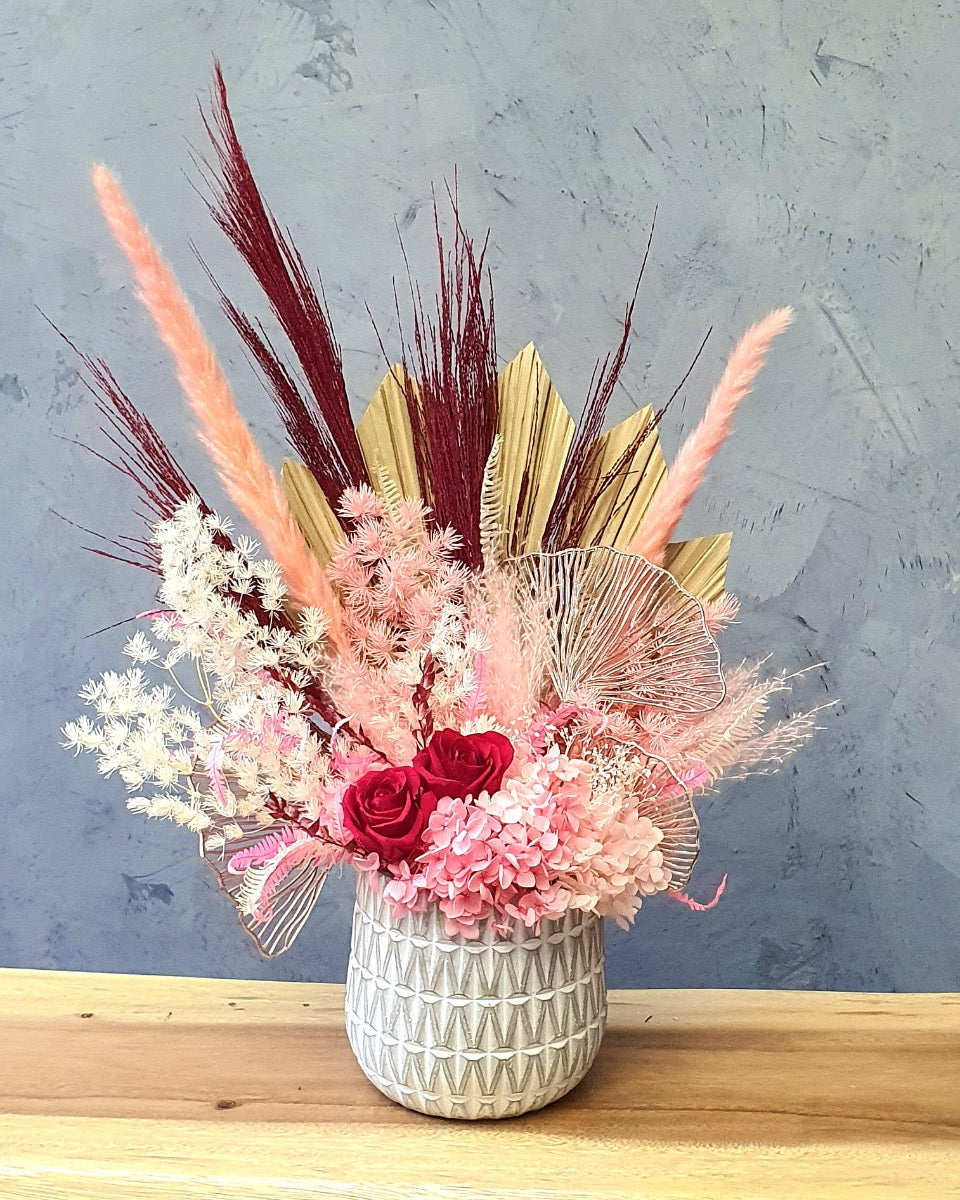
{"x": 487, "y": 1028}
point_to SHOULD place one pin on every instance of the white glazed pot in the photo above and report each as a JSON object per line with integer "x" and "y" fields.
{"x": 493, "y": 1027}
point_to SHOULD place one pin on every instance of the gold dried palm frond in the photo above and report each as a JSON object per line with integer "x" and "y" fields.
{"x": 387, "y": 447}
{"x": 536, "y": 430}
{"x": 317, "y": 520}
{"x": 385, "y": 437}
{"x": 700, "y": 564}
{"x": 534, "y": 436}
{"x": 617, "y": 516}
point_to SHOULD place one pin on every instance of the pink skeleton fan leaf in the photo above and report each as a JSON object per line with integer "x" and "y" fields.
{"x": 320, "y": 427}
{"x": 244, "y": 471}
{"x": 684, "y": 477}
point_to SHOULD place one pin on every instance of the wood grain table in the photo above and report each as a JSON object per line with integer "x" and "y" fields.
{"x": 117, "y": 1085}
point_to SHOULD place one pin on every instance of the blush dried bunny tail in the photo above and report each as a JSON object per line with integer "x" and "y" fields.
{"x": 683, "y": 478}
{"x": 244, "y": 471}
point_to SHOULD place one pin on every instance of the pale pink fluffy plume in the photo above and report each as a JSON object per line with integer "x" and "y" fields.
{"x": 720, "y": 612}
{"x": 684, "y": 477}
{"x": 515, "y": 633}
{"x": 244, "y": 471}
{"x": 731, "y": 740}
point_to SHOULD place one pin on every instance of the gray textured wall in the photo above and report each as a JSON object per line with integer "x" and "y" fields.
{"x": 799, "y": 152}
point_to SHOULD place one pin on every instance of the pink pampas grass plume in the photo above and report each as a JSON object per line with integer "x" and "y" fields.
{"x": 244, "y": 471}
{"x": 684, "y": 477}
{"x": 720, "y": 612}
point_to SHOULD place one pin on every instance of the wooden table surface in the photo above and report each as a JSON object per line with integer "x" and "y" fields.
{"x": 116, "y": 1085}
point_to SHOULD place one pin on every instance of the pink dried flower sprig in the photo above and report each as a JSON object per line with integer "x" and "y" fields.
{"x": 401, "y": 591}
{"x": 394, "y": 576}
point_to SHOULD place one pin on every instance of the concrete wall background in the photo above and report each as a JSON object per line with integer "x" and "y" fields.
{"x": 799, "y": 152}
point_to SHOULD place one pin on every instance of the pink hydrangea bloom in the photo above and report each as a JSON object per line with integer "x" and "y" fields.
{"x": 546, "y": 841}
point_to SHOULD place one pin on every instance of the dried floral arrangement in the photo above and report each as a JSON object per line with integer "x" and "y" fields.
{"x": 470, "y": 662}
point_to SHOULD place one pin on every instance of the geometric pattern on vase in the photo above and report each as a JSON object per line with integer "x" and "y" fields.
{"x": 490, "y": 1027}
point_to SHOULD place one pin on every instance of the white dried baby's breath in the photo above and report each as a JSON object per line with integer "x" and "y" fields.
{"x": 173, "y": 657}
{"x": 166, "y": 807}
{"x": 140, "y": 649}
{"x": 239, "y": 675}
{"x": 313, "y": 626}
{"x": 81, "y": 735}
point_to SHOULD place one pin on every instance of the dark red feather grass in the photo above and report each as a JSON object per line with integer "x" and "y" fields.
{"x": 582, "y": 486}
{"x": 577, "y": 493}
{"x": 143, "y": 457}
{"x": 622, "y": 467}
{"x": 320, "y": 427}
{"x": 140, "y": 455}
{"x": 453, "y": 406}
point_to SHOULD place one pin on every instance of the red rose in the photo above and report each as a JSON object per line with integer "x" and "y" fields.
{"x": 386, "y": 813}
{"x": 460, "y": 765}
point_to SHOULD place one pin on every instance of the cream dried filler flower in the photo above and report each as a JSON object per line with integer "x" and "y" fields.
{"x": 470, "y": 662}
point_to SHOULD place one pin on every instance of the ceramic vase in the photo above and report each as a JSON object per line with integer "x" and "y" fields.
{"x": 491, "y": 1027}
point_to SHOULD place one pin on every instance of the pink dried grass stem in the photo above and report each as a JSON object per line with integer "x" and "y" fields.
{"x": 695, "y": 905}
{"x": 687, "y": 472}
{"x": 244, "y": 471}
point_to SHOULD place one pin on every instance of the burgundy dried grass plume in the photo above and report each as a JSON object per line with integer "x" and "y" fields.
{"x": 140, "y": 455}
{"x": 320, "y": 427}
{"x": 144, "y": 458}
{"x": 580, "y": 488}
{"x": 453, "y": 405}
{"x": 582, "y": 484}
